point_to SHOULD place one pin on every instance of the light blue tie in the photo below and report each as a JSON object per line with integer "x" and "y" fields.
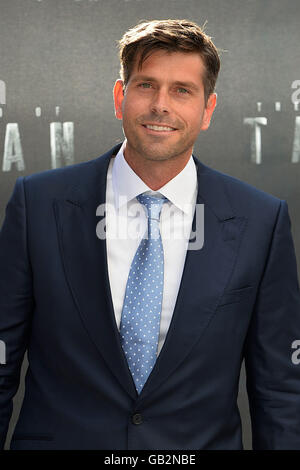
{"x": 140, "y": 320}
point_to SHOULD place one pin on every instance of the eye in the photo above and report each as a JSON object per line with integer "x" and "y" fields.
{"x": 183, "y": 90}
{"x": 144, "y": 85}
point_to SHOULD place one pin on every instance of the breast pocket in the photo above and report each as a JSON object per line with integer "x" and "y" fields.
{"x": 236, "y": 295}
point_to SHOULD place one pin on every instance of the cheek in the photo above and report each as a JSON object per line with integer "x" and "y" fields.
{"x": 192, "y": 115}
{"x": 129, "y": 109}
{"x": 194, "y": 121}
{"x": 198, "y": 118}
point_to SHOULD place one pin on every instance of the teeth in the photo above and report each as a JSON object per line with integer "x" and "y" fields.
{"x": 159, "y": 128}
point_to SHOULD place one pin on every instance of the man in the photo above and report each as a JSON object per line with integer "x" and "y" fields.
{"x": 137, "y": 342}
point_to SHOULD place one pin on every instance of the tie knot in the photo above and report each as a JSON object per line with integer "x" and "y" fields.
{"x": 153, "y": 204}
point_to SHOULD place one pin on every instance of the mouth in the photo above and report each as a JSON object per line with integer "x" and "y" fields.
{"x": 159, "y": 128}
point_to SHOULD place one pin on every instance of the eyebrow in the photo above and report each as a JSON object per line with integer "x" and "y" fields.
{"x": 147, "y": 78}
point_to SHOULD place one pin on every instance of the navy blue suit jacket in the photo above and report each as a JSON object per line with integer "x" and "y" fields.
{"x": 238, "y": 299}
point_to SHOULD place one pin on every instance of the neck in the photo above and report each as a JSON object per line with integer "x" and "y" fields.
{"x": 156, "y": 174}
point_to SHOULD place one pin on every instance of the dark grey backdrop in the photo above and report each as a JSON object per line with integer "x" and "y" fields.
{"x": 60, "y": 56}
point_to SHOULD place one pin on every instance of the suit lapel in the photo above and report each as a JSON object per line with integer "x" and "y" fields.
{"x": 85, "y": 264}
{"x": 206, "y": 274}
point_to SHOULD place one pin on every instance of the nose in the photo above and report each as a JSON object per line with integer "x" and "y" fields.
{"x": 160, "y": 103}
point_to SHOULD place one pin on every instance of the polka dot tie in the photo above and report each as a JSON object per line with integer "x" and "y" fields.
{"x": 140, "y": 320}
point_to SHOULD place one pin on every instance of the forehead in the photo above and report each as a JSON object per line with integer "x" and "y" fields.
{"x": 180, "y": 66}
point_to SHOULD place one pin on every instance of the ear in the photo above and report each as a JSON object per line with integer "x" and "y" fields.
{"x": 118, "y": 98}
{"x": 209, "y": 109}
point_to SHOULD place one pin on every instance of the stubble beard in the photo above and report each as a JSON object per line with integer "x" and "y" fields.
{"x": 156, "y": 151}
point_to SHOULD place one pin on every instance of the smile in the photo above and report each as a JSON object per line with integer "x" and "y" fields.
{"x": 159, "y": 128}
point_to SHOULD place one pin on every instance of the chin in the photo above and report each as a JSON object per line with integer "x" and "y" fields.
{"x": 157, "y": 153}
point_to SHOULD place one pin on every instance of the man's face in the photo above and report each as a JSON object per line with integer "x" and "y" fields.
{"x": 163, "y": 107}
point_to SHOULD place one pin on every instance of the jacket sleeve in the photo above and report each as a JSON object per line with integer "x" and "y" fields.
{"x": 272, "y": 377}
{"x": 16, "y": 301}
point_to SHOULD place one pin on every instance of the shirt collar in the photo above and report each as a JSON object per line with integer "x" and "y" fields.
{"x": 180, "y": 190}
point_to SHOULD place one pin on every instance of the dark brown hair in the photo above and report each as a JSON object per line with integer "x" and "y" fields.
{"x": 171, "y": 36}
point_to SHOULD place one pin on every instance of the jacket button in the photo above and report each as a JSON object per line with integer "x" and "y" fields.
{"x": 137, "y": 418}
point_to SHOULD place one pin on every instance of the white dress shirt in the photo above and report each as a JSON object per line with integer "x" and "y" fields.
{"x": 126, "y": 223}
